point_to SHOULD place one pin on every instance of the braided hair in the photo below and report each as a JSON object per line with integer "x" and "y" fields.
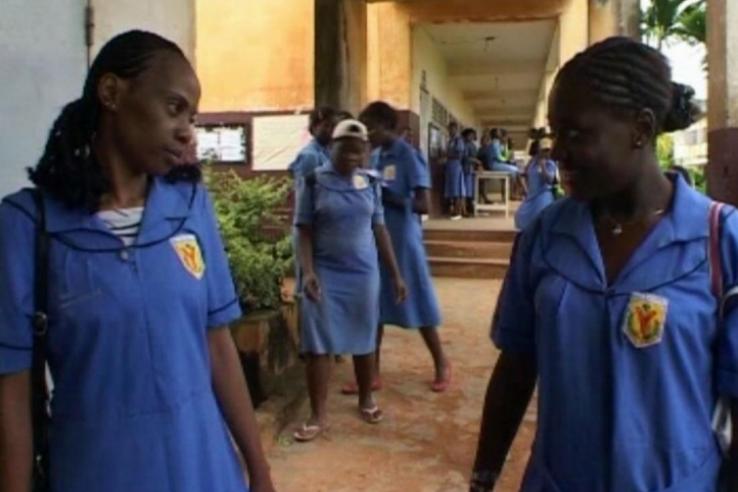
{"x": 626, "y": 75}
{"x": 68, "y": 170}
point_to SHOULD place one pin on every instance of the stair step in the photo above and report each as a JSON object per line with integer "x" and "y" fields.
{"x": 468, "y": 268}
{"x": 469, "y": 249}
{"x": 467, "y": 236}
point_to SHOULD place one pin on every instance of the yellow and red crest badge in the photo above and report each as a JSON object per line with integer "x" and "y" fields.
{"x": 645, "y": 319}
{"x": 188, "y": 251}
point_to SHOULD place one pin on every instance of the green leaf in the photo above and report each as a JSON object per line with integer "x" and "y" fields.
{"x": 256, "y": 237}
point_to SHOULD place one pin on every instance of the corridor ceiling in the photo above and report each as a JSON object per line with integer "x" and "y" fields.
{"x": 498, "y": 66}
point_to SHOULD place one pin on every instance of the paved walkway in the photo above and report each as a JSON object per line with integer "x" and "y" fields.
{"x": 427, "y": 442}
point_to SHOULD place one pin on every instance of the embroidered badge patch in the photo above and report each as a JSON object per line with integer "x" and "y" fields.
{"x": 390, "y": 173}
{"x": 360, "y": 182}
{"x": 645, "y": 319}
{"x": 188, "y": 250}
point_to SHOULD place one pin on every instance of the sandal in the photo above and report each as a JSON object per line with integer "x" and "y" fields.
{"x": 443, "y": 384}
{"x": 307, "y": 432}
{"x": 351, "y": 388}
{"x": 371, "y": 415}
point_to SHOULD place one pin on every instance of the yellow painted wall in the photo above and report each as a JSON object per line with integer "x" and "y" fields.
{"x": 603, "y": 20}
{"x": 389, "y": 68}
{"x": 251, "y": 57}
{"x": 426, "y": 56}
{"x": 574, "y": 29}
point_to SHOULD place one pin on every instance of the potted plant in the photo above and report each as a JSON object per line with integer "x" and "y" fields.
{"x": 258, "y": 243}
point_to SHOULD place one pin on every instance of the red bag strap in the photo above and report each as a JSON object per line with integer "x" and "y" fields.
{"x": 716, "y": 262}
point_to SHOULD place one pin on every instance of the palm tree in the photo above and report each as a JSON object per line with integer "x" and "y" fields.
{"x": 692, "y": 26}
{"x": 665, "y": 19}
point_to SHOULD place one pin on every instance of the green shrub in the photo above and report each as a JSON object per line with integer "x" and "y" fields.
{"x": 256, "y": 239}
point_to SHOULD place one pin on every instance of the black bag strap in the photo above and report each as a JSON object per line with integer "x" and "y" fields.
{"x": 40, "y": 396}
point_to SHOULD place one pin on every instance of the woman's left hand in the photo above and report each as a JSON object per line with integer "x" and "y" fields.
{"x": 400, "y": 290}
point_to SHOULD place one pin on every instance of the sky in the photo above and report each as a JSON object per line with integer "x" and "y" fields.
{"x": 686, "y": 63}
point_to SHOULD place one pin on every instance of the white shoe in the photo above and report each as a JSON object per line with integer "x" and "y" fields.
{"x": 456, "y": 217}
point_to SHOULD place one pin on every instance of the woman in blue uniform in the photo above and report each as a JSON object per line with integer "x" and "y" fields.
{"x": 405, "y": 192}
{"x": 610, "y": 301}
{"x": 317, "y": 152}
{"x": 455, "y": 189}
{"x": 470, "y": 164}
{"x": 147, "y": 381}
{"x": 340, "y": 227}
{"x": 540, "y": 174}
{"x": 496, "y": 160}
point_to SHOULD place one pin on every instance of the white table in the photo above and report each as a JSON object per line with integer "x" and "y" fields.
{"x": 502, "y": 177}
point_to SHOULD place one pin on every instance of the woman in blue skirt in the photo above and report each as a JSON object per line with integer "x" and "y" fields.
{"x": 149, "y": 394}
{"x": 405, "y": 183}
{"x": 455, "y": 188}
{"x": 341, "y": 235}
{"x": 540, "y": 176}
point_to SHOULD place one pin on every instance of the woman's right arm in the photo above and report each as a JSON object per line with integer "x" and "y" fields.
{"x": 508, "y": 395}
{"x": 16, "y": 434}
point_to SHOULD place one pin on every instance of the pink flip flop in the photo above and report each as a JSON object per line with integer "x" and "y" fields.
{"x": 351, "y": 388}
{"x": 443, "y": 384}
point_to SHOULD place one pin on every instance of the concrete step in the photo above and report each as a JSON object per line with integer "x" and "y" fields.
{"x": 468, "y": 267}
{"x": 459, "y": 235}
{"x": 469, "y": 249}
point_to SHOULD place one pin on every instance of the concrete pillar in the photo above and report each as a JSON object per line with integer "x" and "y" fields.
{"x": 573, "y": 29}
{"x": 613, "y": 18}
{"x": 722, "y": 43}
{"x": 340, "y": 54}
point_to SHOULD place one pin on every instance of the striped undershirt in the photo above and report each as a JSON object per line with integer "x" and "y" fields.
{"x": 123, "y": 222}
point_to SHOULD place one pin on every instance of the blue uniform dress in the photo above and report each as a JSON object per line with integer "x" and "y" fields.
{"x": 133, "y": 405}
{"x": 470, "y": 152}
{"x": 310, "y": 158}
{"x": 629, "y": 373}
{"x": 342, "y": 212}
{"x": 540, "y": 193}
{"x": 402, "y": 173}
{"x": 455, "y": 186}
{"x": 495, "y": 161}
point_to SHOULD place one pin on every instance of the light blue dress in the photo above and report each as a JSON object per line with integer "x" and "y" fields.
{"x": 133, "y": 406}
{"x": 342, "y": 212}
{"x": 310, "y": 158}
{"x": 455, "y": 187}
{"x": 629, "y": 372}
{"x": 402, "y": 173}
{"x": 540, "y": 193}
{"x": 496, "y": 162}
{"x": 470, "y": 153}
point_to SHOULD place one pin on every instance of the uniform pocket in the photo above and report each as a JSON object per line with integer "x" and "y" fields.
{"x": 74, "y": 283}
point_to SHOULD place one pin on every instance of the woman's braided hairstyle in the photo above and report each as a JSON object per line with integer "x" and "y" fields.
{"x": 627, "y": 75}
{"x": 68, "y": 170}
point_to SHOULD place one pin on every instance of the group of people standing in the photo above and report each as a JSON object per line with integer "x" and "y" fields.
{"x": 463, "y": 158}
{"x": 361, "y": 259}
{"x": 619, "y": 303}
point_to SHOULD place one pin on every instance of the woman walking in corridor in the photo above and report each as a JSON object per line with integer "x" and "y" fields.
{"x": 340, "y": 227}
{"x": 540, "y": 177}
{"x": 128, "y": 297}
{"x": 405, "y": 191}
{"x": 317, "y": 152}
{"x": 617, "y": 299}
{"x": 455, "y": 187}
